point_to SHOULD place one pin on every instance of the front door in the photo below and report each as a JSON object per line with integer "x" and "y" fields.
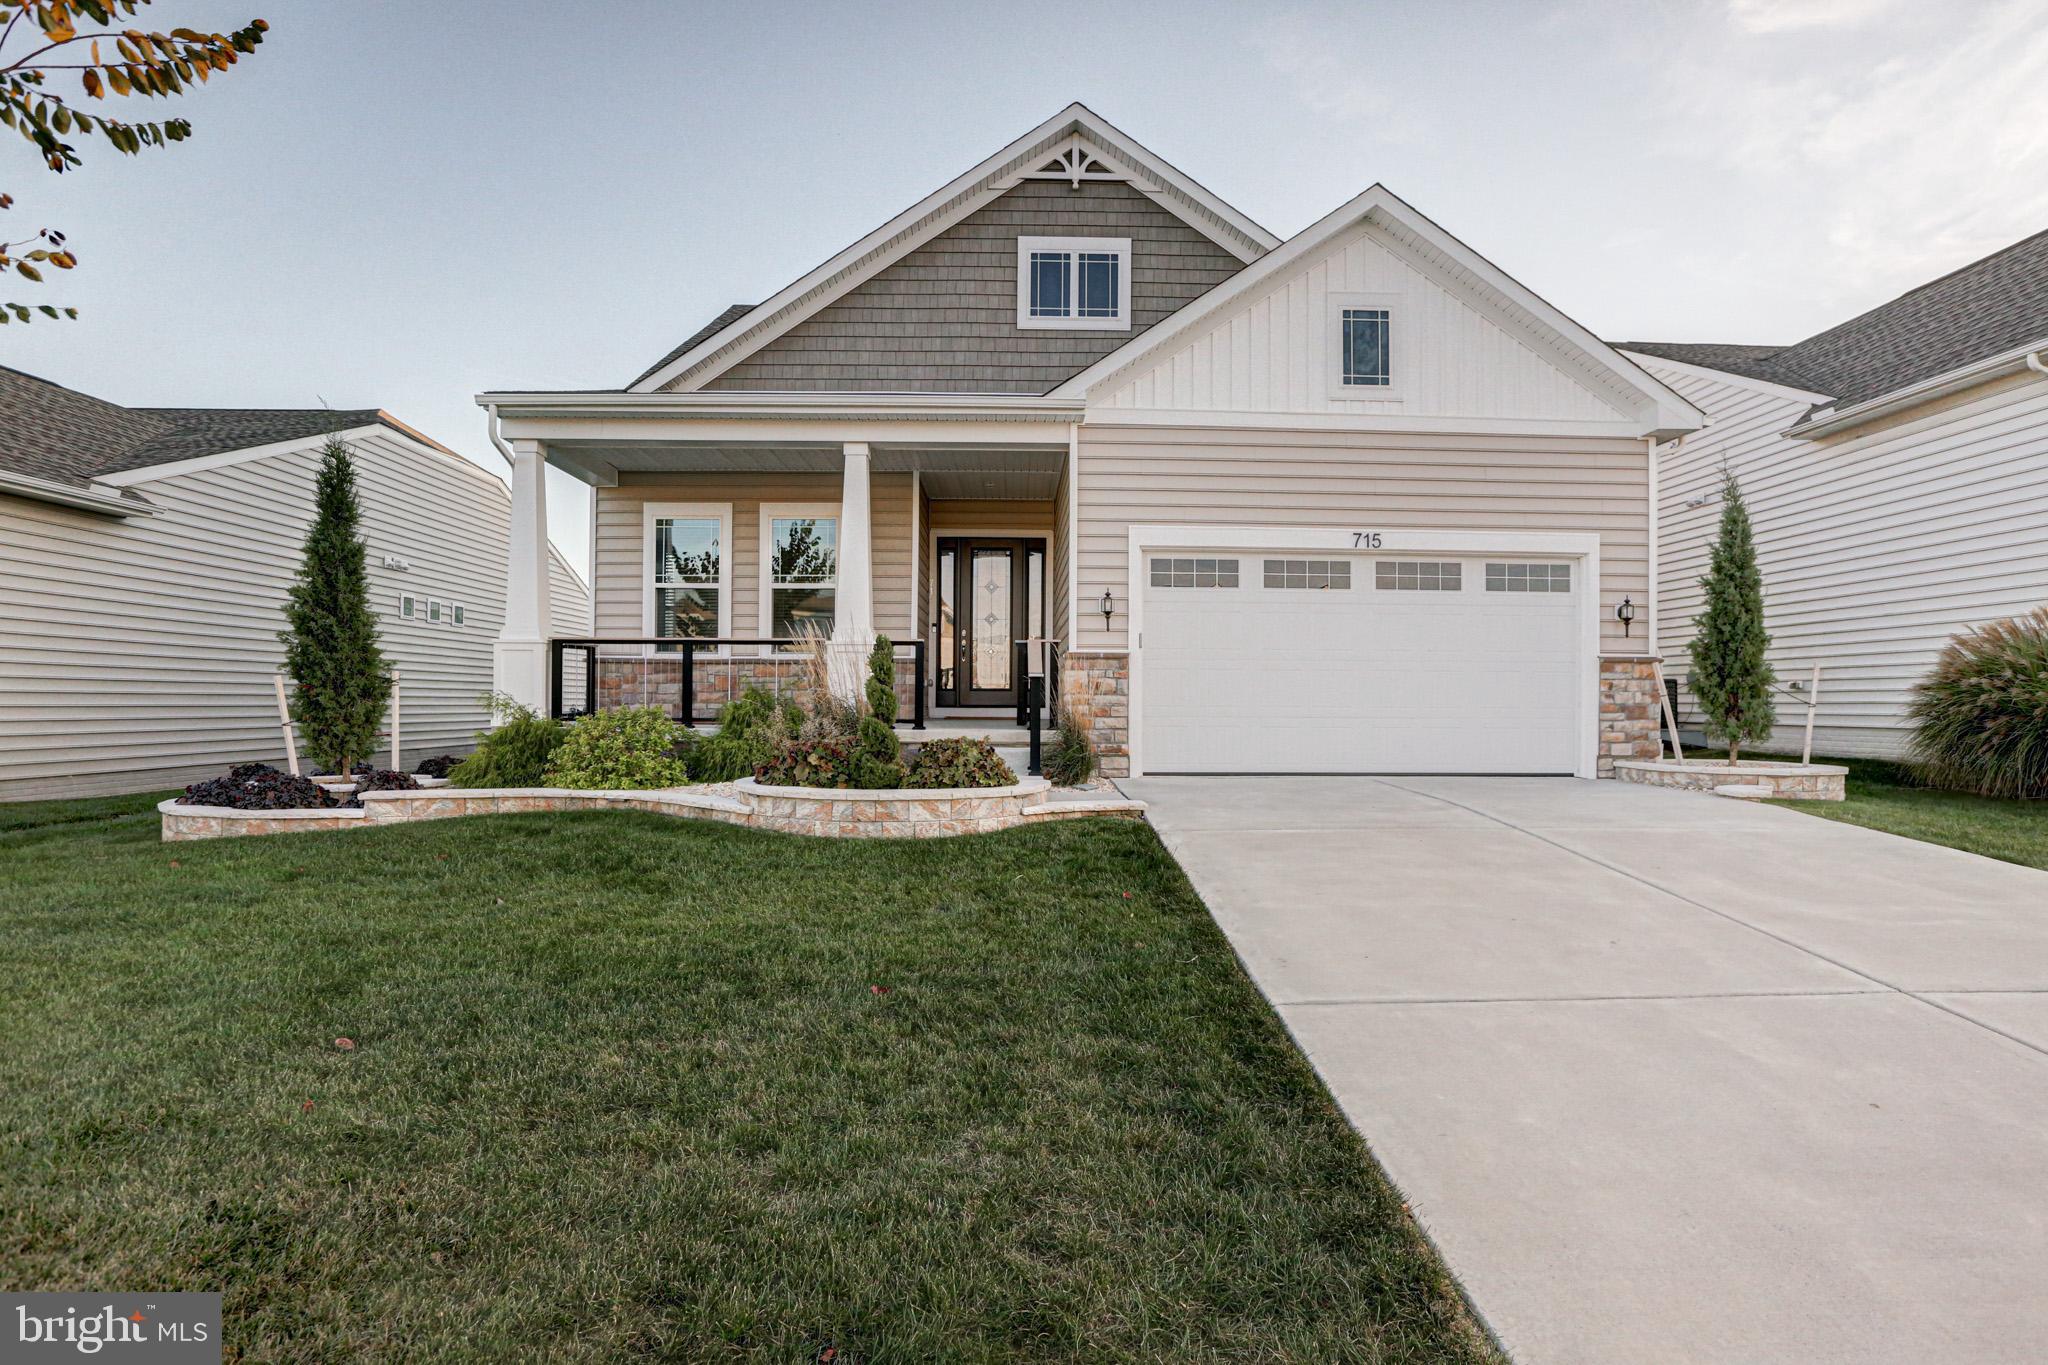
{"x": 991, "y": 595}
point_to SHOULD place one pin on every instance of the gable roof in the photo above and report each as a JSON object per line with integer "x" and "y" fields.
{"x": 1537, "y": 321}
{"x": 70, "y": 439}
{"x": 704, "y": 356}
{"x": 1986, "y": 308}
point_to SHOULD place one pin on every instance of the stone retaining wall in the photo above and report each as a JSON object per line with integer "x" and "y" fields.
{"x": 1782, "y": 781}
{"x": 908, "y": 814}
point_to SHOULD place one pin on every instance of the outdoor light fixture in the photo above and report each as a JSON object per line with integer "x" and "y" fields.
{"x": 1108, "y": 608}
{"x": 1625, "y": 613}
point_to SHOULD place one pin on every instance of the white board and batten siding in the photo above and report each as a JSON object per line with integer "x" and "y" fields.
{"x": 1876, "y": 546}
{"x": 138, "y": 653}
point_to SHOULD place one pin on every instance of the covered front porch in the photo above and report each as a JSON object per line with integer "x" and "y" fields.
{"x": 724, "y": 534}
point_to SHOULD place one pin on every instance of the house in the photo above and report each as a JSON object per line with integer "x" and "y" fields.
{"x": 1356, "y": 501}
{"x": 145, "y": 555}
{"x": 1896, "y": 469}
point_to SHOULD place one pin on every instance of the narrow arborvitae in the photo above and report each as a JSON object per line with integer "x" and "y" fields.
{"x": 1731, "y": 677}
{"x": 341, "y": 683}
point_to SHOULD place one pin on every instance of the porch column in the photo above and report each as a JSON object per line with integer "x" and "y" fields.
{"x": 520, "y": 658}
{"x": 853, "y": 603}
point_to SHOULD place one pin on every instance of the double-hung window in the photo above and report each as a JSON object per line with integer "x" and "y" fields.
{"x": 802, "y": 569}
{"x": 1074, "y": 283}
{"x": 686, "y": 573}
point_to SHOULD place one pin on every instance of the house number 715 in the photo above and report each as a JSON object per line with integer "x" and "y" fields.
{"x": 1365, "y": 540}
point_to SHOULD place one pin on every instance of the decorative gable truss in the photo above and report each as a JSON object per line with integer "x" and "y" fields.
{"x": 1377, "y": 313}
{"x": 1076, "y": 146}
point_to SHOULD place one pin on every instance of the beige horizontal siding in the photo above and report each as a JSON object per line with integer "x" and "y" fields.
{"x": 138, "y": 653}
{"x": 1209, "y": 477}
{"x": 1875, "y": 547}
{"x": 619, "y": 558}
{"x": 973, "y": 517}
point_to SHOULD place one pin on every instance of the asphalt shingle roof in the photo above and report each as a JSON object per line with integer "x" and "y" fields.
{"x": 51, "y": 432}
{"x": 1991, "y": 306}
{"x": 709, "y": 329}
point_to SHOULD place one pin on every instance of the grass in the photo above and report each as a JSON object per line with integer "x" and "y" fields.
{"x": 624, "y": 1087}
{"x": 1884, "y": 795}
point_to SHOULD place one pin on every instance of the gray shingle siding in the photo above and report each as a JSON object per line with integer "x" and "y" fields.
{"x": 944, "y": 318}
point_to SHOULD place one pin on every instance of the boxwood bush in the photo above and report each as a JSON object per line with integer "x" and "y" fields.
{"x": 1981, "y": 717}
{"x": 634, "y": 747}
{"x": 515, "y": 754}
{"x": 959, "y": 763}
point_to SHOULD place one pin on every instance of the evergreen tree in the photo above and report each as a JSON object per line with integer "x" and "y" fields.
{"x": 1730, "y": 676}
{"x": 341, "y": 682}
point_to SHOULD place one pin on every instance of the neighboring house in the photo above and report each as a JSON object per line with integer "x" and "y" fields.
{"x": 144, "y": 558}
{"x": 1352, "y": 502}
{"x": 1896, "y": 469}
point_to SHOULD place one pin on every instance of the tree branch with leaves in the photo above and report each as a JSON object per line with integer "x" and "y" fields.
{"x": 42, "y": 39}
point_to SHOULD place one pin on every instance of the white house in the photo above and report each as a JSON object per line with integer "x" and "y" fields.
{"x": 144, "y": 559}
{"x": 1896, "y": 469}
{"x": 1356, "y": 501}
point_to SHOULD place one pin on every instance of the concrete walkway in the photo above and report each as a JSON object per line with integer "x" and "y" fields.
{"x": 1668, "y": 1077}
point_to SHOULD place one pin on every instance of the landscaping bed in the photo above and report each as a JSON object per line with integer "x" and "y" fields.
{"x": 619, "y": 1088}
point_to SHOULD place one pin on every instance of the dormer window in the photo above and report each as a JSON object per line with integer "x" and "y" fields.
{"x": 1074, "y": 283}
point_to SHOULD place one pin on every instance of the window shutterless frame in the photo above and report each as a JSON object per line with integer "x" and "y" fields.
{"x": 655, "y": 512}
{"x": 772, "y": 512}
{"x": 1074, "y": 284}
{"x": 1380, "y": 320}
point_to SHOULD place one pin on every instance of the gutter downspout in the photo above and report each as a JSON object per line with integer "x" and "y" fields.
{"x": 491, "y": 429}
{"x": 2034, "y": 362}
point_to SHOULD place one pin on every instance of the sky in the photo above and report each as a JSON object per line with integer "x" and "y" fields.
{"x": 397, "y": 205}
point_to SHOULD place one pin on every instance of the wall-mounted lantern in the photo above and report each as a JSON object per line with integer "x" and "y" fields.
{"x": 1108, "y": 608}
{"x": 1626, "y": 614}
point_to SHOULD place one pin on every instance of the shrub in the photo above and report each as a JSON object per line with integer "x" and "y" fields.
{"x": 959, "y": 763}
{"x": 881, "y": 684}
{"x": 515, "y": 754}
{"x": 268, "y": 789}
{"x": 385, "y": 780}
{"x": 1069, "y": 760}
{"x": 1981, "y": 717}
{"x": 619, "y": 750}
{"x": 812, "y": 763}
{"x": 750, "y": 728}
{"x": 1731, "y": 677}
{"x": 438, "y": 766}
{"x": 880, "y": 756}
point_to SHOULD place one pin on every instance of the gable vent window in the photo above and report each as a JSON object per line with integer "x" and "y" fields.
{"x": 1366, "y": 350}
{"x": 1074, "y": 283}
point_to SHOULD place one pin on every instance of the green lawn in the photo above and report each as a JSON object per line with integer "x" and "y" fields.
{"x": 625, "y": 1087}
{"x": 1882, "y": 795}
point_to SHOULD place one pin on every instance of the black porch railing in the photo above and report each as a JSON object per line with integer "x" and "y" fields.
{"x": 667, "y": 672}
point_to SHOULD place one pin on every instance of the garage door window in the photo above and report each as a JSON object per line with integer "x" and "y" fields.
{"x": 1194, "y": 573}
{"x": 1528, "y": 578}
{"x": 1420, "y": 575}
{"x": 1308, "y": 573}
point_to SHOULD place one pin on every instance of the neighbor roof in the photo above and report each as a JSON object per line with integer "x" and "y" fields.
{"x": 1987, "y": 308}
{"x": 51, "y": 432}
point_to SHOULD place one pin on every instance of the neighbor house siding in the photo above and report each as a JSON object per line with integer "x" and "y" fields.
{"x": 1875, "y": 548}
{"x": 944, "y": 318}
{"x": 619, "y": 558}
{"x": 568, "y": 598}
{"x": 139, "y": 653}
{"x": 1185, "y": 476}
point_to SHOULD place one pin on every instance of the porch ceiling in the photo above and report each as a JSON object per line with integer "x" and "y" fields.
{"x": 1021, "y": 473}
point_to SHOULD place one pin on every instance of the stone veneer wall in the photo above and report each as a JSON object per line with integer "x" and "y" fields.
{"x": 1096, "y": 690}
{"x": 1628, "y": 712}
{"x": 658, "y": 681}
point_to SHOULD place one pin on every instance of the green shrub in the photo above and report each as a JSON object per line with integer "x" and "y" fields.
{"x": 515, "y": 754}
{"x": 881, "y": 684}
{"x": 959, "y": 763}
{"x": 618, "y": 750}
{"x": 1981, "y": 717}
{"x": 1069, "y": 760}
{"x": 750, "y": 729}
{"x": 880, "y": 765}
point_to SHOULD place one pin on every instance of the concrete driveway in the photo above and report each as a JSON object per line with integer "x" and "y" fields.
{"x": 1667, "y": 1077}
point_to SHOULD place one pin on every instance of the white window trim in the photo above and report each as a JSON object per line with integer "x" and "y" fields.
{"x": 455, "y": 614}
{"x": 1401, "y": 344}
{"x": 1581, "y": 546}
{"x": 770, "y": 512}
{"x": 1120, "y": 245}
{"x": 654, "y": 511}
{"x": 408, "y": 606}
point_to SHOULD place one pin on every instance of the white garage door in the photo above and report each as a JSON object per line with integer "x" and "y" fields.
{"x": 1302, "y": 663}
